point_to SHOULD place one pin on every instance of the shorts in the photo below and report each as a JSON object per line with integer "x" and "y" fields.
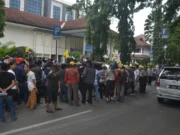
{"x": 52, "y": 97}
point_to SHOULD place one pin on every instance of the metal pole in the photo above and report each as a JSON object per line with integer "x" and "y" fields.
{"x": 56, "y": 52}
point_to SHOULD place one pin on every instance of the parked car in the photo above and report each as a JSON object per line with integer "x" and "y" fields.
{"x": 168, "y": 84}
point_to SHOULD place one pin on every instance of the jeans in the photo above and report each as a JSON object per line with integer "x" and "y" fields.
{"x": 102, "y": 88}
{"x": 96, "y": 87}
{"x": 63, "y": 93}
{"x": 24, "y": 91}
{"x": 9, "y": 101}
{"x": 73, "y": 89}
{"x": 89, "y": 88}
{"x": 110, "y": 85}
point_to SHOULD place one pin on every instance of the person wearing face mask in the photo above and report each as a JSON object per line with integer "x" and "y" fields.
{"x": 110, "y": 83}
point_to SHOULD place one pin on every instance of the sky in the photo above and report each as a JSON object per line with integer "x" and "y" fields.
{"x": 139, "y": 20}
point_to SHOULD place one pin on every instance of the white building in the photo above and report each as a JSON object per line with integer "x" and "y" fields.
{"x": 142, "y": 48}
{"x": 34, "y": 31}
{"x": 55, "y": 9}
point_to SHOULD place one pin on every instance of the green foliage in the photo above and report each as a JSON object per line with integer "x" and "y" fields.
{"x": 153, "y": 28}
{"x": 143, "y": 61}
{"x": 20, "y": 52}
{"x": 2, "y": 18}
{"x": 7, "y": 49}
{"x": 76, "y": 55}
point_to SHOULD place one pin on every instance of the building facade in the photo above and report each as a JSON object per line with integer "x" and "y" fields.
{"x": 142, "y": 49}
{"x": 36, "y": 33}
{"x": 55, "y": 9}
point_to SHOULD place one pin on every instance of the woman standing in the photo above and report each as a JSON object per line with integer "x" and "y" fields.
{"x": 53, "y": 88}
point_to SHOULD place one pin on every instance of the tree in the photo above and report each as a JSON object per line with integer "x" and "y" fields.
{"x": 2, "y": 18}
{"x": 7, "y": 49}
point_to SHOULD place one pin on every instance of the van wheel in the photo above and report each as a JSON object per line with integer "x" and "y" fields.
{"x": 160, "y": 100}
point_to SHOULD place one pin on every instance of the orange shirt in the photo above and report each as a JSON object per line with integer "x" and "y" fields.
{"x": 72, "y": 76}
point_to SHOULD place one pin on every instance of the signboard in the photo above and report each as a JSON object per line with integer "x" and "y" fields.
{"x": 89, "y": 48}
{"x": 151, "y": 52}
{"x": 56, "y": 31}
{"x": 73, "y": 50}
{"x": 164, "y": 33}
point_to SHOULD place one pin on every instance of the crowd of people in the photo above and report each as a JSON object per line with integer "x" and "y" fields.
{"x": 31, "y": 82}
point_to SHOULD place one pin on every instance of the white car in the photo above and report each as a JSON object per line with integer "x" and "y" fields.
{"x": 168, "y": 84}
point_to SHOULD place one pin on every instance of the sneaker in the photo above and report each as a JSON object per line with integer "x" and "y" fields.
{"x": 107, "y": 100}
{"x": 112, "y": 99}
{"x": 15, "y": 119}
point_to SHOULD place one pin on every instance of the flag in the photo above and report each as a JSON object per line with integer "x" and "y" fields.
{"x": 27, "y": 49}
{"x": 120, "y": 64}
{"x": 66, "y": 54}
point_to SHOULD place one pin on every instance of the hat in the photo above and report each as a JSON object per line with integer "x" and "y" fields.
{"x": 72, "y": 63}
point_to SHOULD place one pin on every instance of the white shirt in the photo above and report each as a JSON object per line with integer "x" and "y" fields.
{"x": 12, "y": 72}
{"x": 136, "y": 73}
{"x": 30, "y": 78}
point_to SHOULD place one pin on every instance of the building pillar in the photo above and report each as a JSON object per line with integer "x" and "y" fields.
{"x": 42, "y": 8}
{"x": 7, "y": 3}
{"x": 34, "y": 47}
{"x": 141, "y": 50}
{"x": 84, "y": 45}
{"x": 21, "y": 5}
{"x": 43, "y": 44}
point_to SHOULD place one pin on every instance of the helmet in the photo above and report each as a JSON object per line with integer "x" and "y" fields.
{"x": 112, "y": 65}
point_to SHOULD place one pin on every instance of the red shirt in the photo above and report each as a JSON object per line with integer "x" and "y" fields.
{"x": 72, "y": 76}
{"x": 117, "y": 75}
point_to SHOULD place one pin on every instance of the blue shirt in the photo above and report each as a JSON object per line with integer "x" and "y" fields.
{"x": 20, "y": 74}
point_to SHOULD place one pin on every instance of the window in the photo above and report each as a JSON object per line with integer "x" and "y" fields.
{"x": 138, "y": 50}
{"x": 171, "y": 74}
{"x": 15, "y": 4}
{"x": 70, "y": 16}
{"x": 33, "y": 6}
{"x": 56, "y": 12}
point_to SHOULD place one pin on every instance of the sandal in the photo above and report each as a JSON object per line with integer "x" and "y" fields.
{"x": 49, "y": 111}
{"x": 58, "y": 109}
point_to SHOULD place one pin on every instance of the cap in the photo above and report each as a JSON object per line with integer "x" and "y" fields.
{"x": 72, "y": 63}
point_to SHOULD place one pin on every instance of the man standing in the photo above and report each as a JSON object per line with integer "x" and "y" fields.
{"x": 15, "y": 88}
{"x": 63, "y": 95}
{"x": 132, "y": 79}
{"x": 21, "y": 78}
{"x": 72, "y": 79}
{"x": 137, "y": 73}
{"x": 7, "y": 81}
{"x": 123, "y": 80}
{"x": 53, "y": 88}
{"x": 110, "y": 83}
{"x": 150, "y": 74}
{"x": 101, "y": 75}
{"x": 143, "y": 80}
{"x": 88, "y": 78}
{"x": 31, "y": 80}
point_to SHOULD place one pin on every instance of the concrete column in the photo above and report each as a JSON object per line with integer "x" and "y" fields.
{"x": 84, "y": 45}
{"x": 51, "y": 46}
{"x": 21, "y": 5}
{"x": 42, "y": 8}
{"x": 43, "y": 44}
{"x": 7, "y": 3}
{"x": 141, "y": 50}
{"x": 34, "y": 42}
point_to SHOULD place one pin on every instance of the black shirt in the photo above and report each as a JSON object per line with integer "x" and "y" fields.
{"x": 53, "y": 82}
{"x": 6, "y": 79}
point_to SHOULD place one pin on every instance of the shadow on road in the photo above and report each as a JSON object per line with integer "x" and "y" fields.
{"x": 171, "y": 104}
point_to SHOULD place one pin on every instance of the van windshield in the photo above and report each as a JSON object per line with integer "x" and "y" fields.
{"x": 171, "y": 74}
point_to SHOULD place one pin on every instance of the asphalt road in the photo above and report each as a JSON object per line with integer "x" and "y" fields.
{"x": 139, "y": 115}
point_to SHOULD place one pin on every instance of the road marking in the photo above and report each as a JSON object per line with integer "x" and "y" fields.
{"x": 45, "y": 123}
